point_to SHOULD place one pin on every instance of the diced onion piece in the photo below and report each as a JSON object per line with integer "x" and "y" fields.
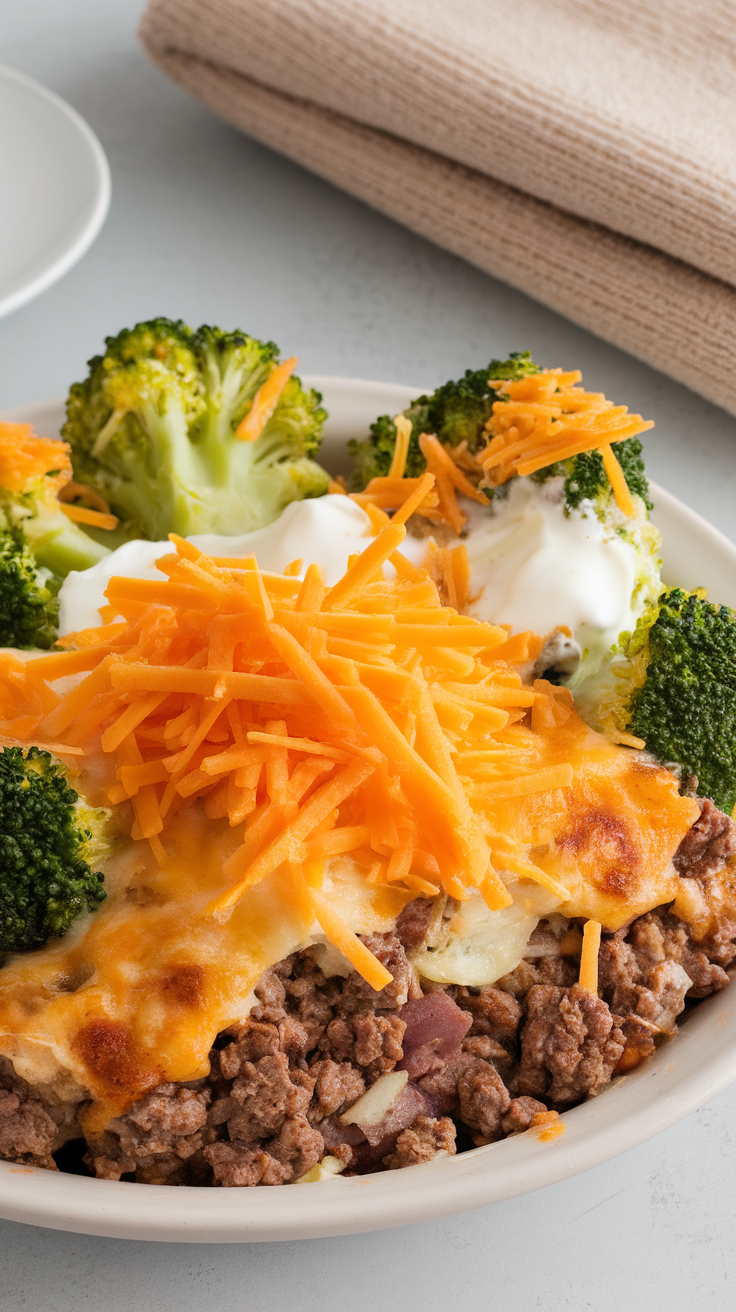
{"x": 377, "y": 1101}
{"x": 327, "y": 1169}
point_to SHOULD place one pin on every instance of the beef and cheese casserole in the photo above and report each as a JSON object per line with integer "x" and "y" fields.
{"x": 317, "y": 870}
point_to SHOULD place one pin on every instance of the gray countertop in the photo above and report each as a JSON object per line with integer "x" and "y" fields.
{"x": 208, "y": 226}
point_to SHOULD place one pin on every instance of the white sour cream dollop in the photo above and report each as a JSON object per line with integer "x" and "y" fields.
{"x": 534, "y": 567}
{"x": 531, "y": 566}
{"x": 322, "y": 531}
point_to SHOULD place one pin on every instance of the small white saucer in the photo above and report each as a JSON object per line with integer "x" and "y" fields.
{"x": 55, "y": 184}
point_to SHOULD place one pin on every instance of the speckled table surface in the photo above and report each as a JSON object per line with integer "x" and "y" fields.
{"x": 208, "y": 226}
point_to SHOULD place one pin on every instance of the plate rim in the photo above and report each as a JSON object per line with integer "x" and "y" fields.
{"x": 89, "y": 230}
{"x": 698, "y": 1065}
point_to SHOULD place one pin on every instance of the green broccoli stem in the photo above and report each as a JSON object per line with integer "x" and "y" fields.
{"x": 64, "y": 549}
{"x": 228, "y": 396}
{"x": 169, "y": 434}
{"x": 167, "y": 473}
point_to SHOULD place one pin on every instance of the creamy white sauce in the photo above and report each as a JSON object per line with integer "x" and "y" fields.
{"x": 534, "y": 567}
{"x": 531, "y": 566}
{"x": 323, "y": 531}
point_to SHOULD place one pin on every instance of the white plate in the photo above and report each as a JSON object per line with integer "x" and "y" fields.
{"x": 698, "y": 1064}
{"x": 55, "y": 188}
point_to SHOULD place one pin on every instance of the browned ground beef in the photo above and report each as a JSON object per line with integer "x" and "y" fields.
{"x": 570, "y": 1045}
{"x": 710, "y": 842}
{"x": 482, "y": 1063}
{"x": 30, "y": 1125}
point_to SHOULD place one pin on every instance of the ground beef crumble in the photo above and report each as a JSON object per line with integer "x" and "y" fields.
{"x": 570, "y": 1045}
{"x": 32, "y": 1123}
{"x": 482, "y": 1063}
{"x": 708, "y": 844}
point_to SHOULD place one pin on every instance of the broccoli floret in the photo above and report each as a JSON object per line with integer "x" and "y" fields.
{"x": 457, "y": 412}
{"x": 49, "y": 841}
{"x": 153, "y": 428}
{"x": 672, "y": 683}
{"x": 586, "y": 478}
{"x": 39, "y": 545}
{"x": 33, "y": 470}
{"x": 29, "y": 609}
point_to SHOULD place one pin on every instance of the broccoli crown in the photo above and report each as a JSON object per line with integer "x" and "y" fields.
{"x": 586, "y": 478}
{"x": 683, "y": 690}
{"x": 457, "y": 412}
{"x": 29, "y": 609}
{"x": 153, "y": 428}
{"x": 46, "y": 837}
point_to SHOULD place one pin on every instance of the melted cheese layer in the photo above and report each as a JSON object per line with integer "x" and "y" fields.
{"x": 610, "y": 838}
{"x": 137, "y": 992}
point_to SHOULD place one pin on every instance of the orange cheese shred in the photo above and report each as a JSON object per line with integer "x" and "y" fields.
{"x": 72, "y": 490}
{"x": 616, "y": 479}
{"x": 401, "y": 449}
{"x": 535, "y": 422}
{"x": 265, "y": 401}
{"x": 359, "y": 956}
{"x": 25, "y": 457}
{"x": 95, "y": 518}
{"x": 365, "y": 566}
{"x": 42, "y": 465}
{"x": 588, "y": 978}
{"x": 416, "y": 498}
{"x": 547, "y": 417}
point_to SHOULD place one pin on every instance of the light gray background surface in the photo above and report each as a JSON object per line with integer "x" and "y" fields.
{"x": 209, "y": 226}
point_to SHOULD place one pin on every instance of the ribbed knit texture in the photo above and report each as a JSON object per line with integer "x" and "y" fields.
{"x": 582, "y": 150}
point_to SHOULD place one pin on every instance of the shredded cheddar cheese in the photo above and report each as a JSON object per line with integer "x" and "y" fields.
{"x": 589, "y": 957}
{"x": 548, "y": 1126}
{"x": 24, "y": 456}
{"x": 95, "y": 518}
{"x": 536, "y": 421}
{"x": 450, "y": 570}
{"x": 73, "y": 490}
{"x": 283, "y": 753}
{"x": 545, "y": 418}
{"x": 387, "y": 702}
{"x": 390, "y": 493}
{"x": 616, "y": 479}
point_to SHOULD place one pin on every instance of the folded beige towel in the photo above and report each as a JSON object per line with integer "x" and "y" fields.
{"x": 582, "y": 150}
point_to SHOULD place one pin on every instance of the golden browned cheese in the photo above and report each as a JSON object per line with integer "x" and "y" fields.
{"x": 609, "y": 839}
{"x": 138, "y": 992}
